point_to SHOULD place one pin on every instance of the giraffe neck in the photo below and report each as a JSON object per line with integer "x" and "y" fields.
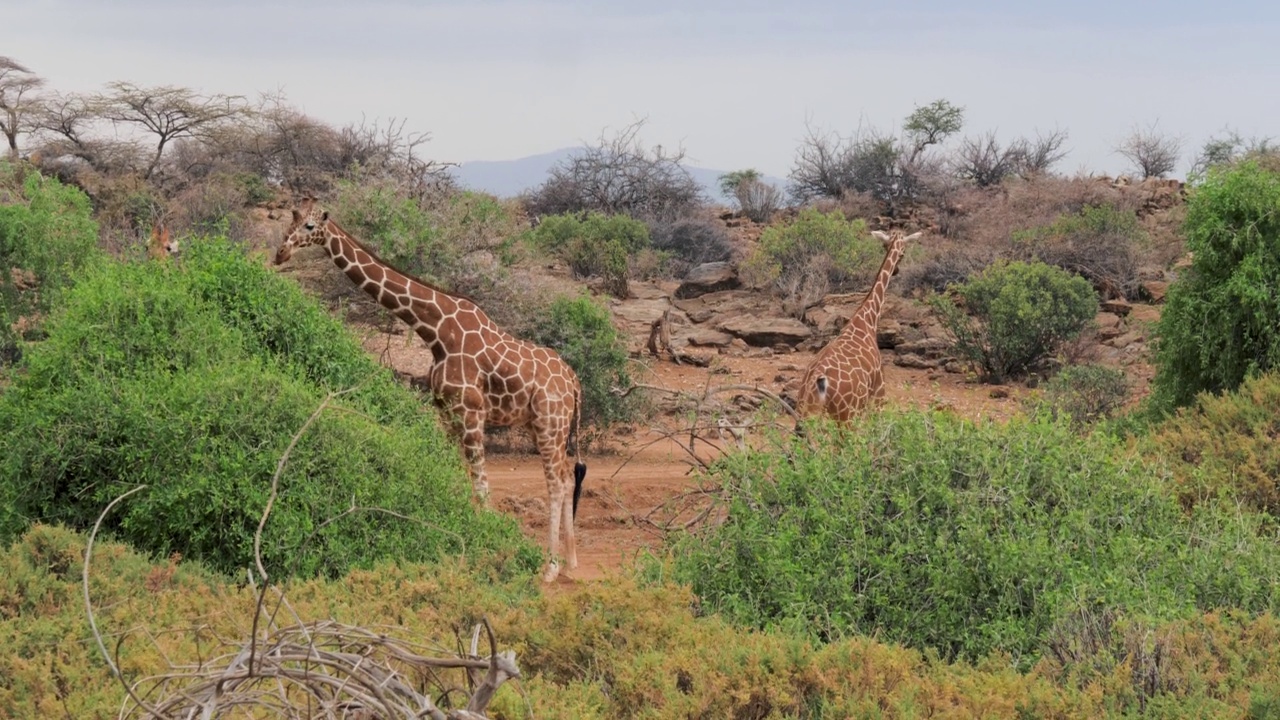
{"x": 418, "y": 304}
{"x": 869, "y": 311}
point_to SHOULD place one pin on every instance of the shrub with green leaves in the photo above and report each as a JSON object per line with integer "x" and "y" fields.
{"x": 965, "y": 537}
{"x": 582, "y": 331}
{"x": 1018, "y": 315}
{"x": 397, "y": 226}
{"x": 191, "y": 379}
{"x": 1099, "y": 243}
{"x": 1221, "y": 320}
{"x": 1086, "y": 393}
{"x": 812, "y": 255}
{"x": 594, "y": 244}
{"x": 47, "y": 237}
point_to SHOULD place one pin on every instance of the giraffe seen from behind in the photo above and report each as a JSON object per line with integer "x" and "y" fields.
{"x": 846, "y": 376}
{"x": 481, "y": 376}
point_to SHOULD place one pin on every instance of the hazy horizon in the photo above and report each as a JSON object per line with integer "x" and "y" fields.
{"x": 734, "y": 84}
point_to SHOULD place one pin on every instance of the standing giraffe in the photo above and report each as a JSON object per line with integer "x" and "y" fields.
{"x": 480, "y": 375}
{"x": 846, "y": 376}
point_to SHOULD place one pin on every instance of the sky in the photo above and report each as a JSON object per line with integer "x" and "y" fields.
{"x": 736, "y": 84}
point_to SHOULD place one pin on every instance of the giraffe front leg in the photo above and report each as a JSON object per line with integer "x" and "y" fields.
{"x": 473, "y": 450}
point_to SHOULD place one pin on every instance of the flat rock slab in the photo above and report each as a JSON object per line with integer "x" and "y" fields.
{"x": 708, "y": 278}
{"x": 766, "y": 331}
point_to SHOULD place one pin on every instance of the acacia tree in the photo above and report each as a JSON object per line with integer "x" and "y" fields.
{"x": 166, "y": 111}
{"x": 19, "y": 100}
{"x": 1152, "y": 153}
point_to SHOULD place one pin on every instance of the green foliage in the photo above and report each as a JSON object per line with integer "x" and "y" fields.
{"x": 1021, "y": 313}
{"x": 396, "y": 226}
{"x": 604, "y": 649}
{"x": 47, "y": 237}
{"x": 1221, "y": 320}
{"x": 582, "y": 331}
{"x": 594, "y": 244}
{"x": 1225, "y": 445}
{"x": 1099, "y": 243}
{"x": 932, "y": 123}
{"x": 192, "y": 379}
{"x": 965, "y": 538}
{"x": 731, "y": 181}
{"x": 814, "y": 254}
{"x": 1086, "y": 393}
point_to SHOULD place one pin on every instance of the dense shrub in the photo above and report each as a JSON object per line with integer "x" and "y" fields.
{"x": 689, "y": 241}
{"x": 192, "y": 379}
{"x": 1221, "y": 321}
{"x": 964, "y": 537}
{"x": 814, "y": 254}
{"x": 1225, "y": 445}
{"x": 594, "y": 244}
{"x": 395, "y": 225}
{"x": 1099, "y": 243}
{"x": 1086, "y": 393}
{"x": 47, "y": 237}
{"x": 1021, "y": 313}
{"x": 582, "y": 331}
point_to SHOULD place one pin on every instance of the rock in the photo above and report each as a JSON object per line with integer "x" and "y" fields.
{"x": 953, "y": 366}
{"x": 1117, "y": 307}
{"x": 1154, "y": 290}
{"x": 766, "y": 331}
{"x": 708, "y": 278}
{"x": 1108, "y": 333}
{"x": 704, "y": 337}
{"x": 726, "y": 303}
{"x": 889, "y": 335}
{"x": 1107, "y": 320}
{"x": 1144, "y": 314}
{"x": 911, "y": 360}
{"x": 930, "y": 347}
{"x": 998, "y": 393}
{"x": 642, "y": 312}
{"x": 1125, "y": 340}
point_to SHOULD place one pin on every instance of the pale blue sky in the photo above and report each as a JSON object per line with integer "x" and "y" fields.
{"x": 733, "y": 82}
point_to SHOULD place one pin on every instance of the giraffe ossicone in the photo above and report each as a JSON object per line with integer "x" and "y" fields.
{"x": 481, "y": 376}
{"x": 846, "y": 376}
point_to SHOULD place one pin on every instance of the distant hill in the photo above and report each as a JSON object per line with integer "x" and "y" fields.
{"x": 508, "y": 178}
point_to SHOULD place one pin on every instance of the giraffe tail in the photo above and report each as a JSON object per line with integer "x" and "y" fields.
{"x": 579, "y": 467}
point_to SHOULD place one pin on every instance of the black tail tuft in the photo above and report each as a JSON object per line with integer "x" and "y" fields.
{"x": 579, "y": 474}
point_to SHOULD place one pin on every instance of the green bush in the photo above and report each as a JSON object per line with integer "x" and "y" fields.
{"x": 1021, "y": 313}
{"x": 47, "y": 237}
{"x": 1099, "y": 243}
{"x": 594, "y": 244}
{"x": 1221, "y": 320}
{"x": 1086, "y": 393}
{"x": 582, "y": 331}
{"x": 1225, "y": 445}
{"x": 814, "y": 254}
{"x": 192, "y": 379}
{"x": 397, "y": 226}
{"x": 964, "y": 537}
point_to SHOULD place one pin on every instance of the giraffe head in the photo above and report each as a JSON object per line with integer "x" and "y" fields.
{"x": 306, "y": 229}
{"x": 161, "y": 245}
{"x": 893, "y": 236}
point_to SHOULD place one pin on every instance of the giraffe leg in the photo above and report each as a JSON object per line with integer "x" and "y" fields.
{"x": 473, "y": 450}
{"x": 551, "y": 447}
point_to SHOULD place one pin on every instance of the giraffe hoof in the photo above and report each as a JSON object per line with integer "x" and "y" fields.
{"x": 551, "y": 573}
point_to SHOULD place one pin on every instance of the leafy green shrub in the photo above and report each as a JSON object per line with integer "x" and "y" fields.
{"x": 1225, "y": 445}
{"x": 1086, "y": 393}
{"x": 397, "y": 226}
{"x": 594, "y": 244}
{"x": 582, "y": 331}
{"x": 192, "y": 379}
{"x": 1099, "y": 243}
{"x": 47, "y": 237}
{"x": 814, "y": 254}
{"x": 1221, "y": 320}
{"x": 1021, "y": 313}
{"x": 964, "y": 537}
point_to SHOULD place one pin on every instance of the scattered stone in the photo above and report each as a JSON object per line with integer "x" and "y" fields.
{"x": 704, "y": 337}
{"x": 1144, "y": 314}
{"x": 1117, "y": 306}
{"x": 708, "y": 278}
{"x": 953, "y": 366}
{"x": 1125, "y": 340}
{"x": 1107, "y": 320}
{"x": 912, "y": 360}
{"x": 1154, "y": 290}
{"x": 930, "y": 347}
{"x": 998, "y": 393}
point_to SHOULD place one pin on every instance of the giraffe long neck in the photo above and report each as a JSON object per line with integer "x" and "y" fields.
{"x": 869, "y": 311}
{"x": 419, "y": 305}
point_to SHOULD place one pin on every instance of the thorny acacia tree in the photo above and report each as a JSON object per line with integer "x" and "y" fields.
{"x": 19, "y": 100}
{"x": 1152, "y": 153}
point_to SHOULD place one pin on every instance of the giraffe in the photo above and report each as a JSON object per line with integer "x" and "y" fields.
{"x": 846, "y": 376}
{"x": 481, "y": 375}
{"x": 161, "y": 245}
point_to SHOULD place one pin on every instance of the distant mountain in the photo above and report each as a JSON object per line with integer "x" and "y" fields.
{"x": 508, "y": 178}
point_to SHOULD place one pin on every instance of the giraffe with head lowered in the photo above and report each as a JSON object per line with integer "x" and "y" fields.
{"x": 846, "y": 375}
{"x": 481, "y": 376}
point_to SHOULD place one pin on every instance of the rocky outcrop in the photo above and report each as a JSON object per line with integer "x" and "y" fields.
{"x": 766, "y": 331}
{"x": 708, "y": 278}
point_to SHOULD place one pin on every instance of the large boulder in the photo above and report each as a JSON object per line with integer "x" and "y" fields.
{"x": 708, "y": 278}
{"x": 766, "y": 331}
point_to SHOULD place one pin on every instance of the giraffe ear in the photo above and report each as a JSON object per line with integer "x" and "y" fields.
{"x": 324, "y": 216}
{"x": 882, "y": 237}
{"x": 913, "y": 236}
{"x": 297, "y": 215}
